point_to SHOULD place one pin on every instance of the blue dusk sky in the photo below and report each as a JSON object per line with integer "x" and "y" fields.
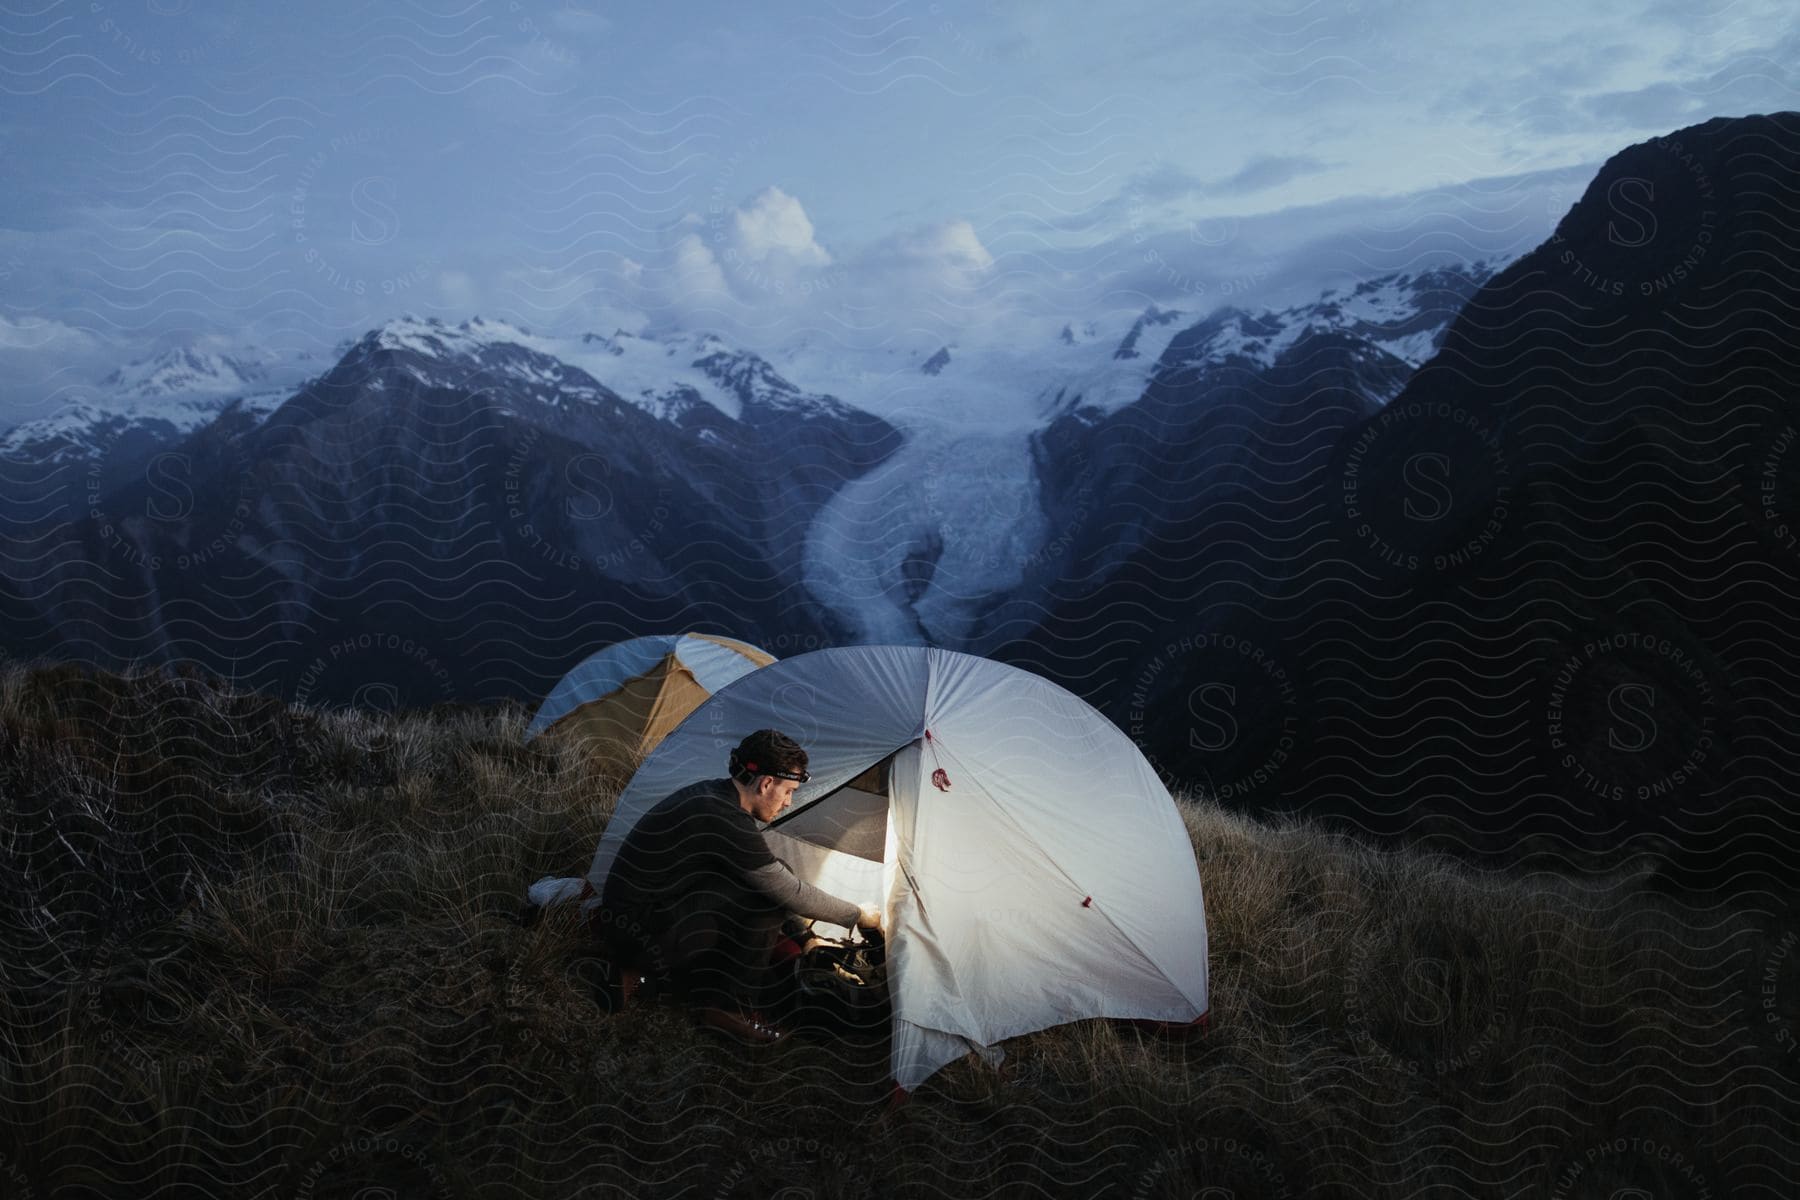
{"x": 287, "y": 176}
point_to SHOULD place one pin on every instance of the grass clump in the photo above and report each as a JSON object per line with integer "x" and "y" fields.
{"x": 254, "y": 949}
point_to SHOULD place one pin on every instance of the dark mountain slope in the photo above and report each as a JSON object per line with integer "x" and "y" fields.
{"x": 1546, "y": 596}
{"x": 443, "y": 516}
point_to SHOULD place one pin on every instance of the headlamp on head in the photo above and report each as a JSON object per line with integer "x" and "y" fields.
{"x": 751, "y": 769}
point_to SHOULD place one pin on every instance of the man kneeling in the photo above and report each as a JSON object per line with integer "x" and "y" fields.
{"x": 697, "y": 884}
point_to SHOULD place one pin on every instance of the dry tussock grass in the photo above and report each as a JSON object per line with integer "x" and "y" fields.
{"x": 260, "y": 950}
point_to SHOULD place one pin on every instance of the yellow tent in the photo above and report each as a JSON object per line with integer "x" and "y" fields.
{"x": 618, "y": 703}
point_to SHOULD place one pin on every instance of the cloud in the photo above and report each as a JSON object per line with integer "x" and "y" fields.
{"x": 951, "y": 250}
{"x": 695, "y": 269}
{"x": 1268, "y": 171}
{"x": 1549, "y": 116}
{"x": 44, "y": 334}
{"x": 579, "y": 20}
{"x": 1668, "y": 66}
{"x": 1659, "y": 106}
{"x": 1166, "y": 194}
{"x": 44, "y": 363}
{"x": 457, "y": 288}
{"x": 941, "y": 281}
{"x": 1704, "y": 19}
{"x": 1290, "y": 256}
{"x": 743, "y": 264}
{"x": 1148, "y": 195}
{"x": 759, "y": 271}
{"x": 775, "y": 225}
{"x": 1163, "y": 181}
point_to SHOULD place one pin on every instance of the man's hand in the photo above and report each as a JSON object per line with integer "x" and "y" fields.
{"x": 869, "y": 918}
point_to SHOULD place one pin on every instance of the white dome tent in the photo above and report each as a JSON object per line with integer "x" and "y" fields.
{"x": 1033, "y": 868}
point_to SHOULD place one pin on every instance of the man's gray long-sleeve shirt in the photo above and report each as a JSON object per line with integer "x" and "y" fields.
{"x": 698, "y": 839}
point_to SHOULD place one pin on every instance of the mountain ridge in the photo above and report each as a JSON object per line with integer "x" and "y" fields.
{"x": 670, "y": 421}
{"x": 1534, "y": 603}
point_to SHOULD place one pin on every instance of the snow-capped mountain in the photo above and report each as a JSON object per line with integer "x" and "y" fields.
{"x": 680, "y": 378}
{"x": 186, "y": 371}
{"x": 155, "y": 401}
{"x": 1405, "y": 315}
{"x": 1320, "y": 626}
{"x": 926, "y": 546}
{"x": 438, "y": 479}
{"x": 908, "y": 492}
{"x": 1013, "y": 378}
{"x": 668, "y": 376}
{"x": 1017, "y": 378}
{"x": 1401, "y": 316}
{"x": 55, "y": 469}
{"x": 1135, "y": 504}
{"x": 454, "y": 356}
{"x": 664, "y": 375}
